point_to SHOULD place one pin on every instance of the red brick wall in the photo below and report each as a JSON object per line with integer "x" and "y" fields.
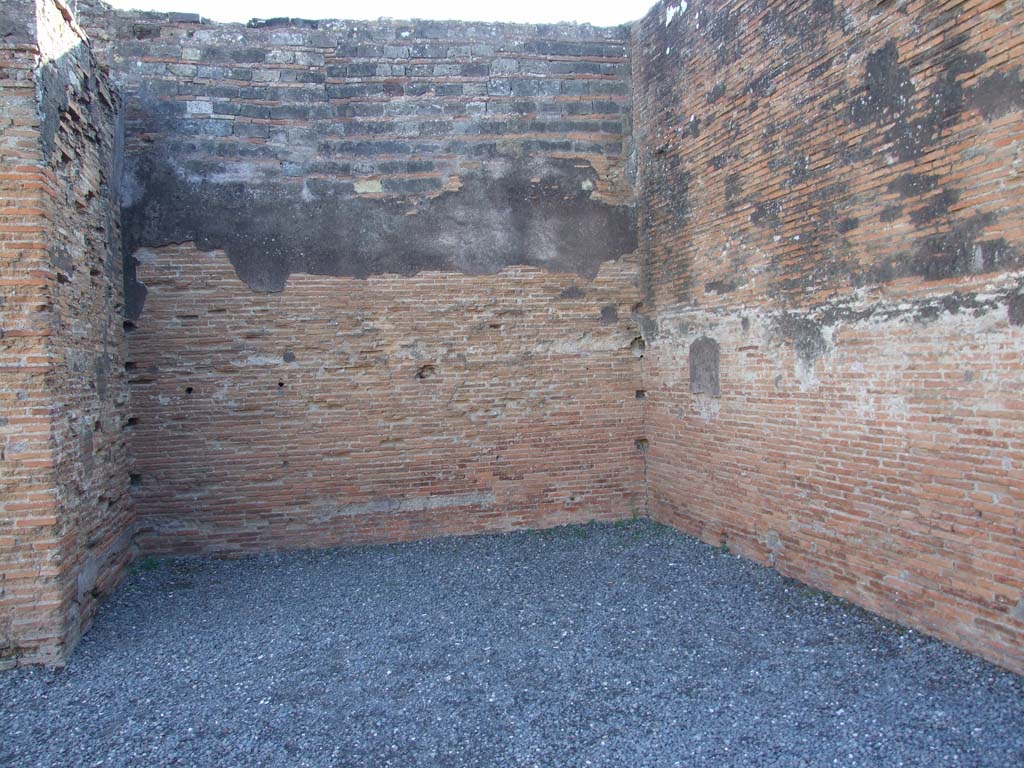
{"x": 381, "y": 285}
{"x": 363, "y": 148}
{"x": 384, "y": 276}
{"x": 343, "y": 411}
{"x": 29, "y": 590}
{"x": 64, "y": 507}
{"x": 831, "y": 192}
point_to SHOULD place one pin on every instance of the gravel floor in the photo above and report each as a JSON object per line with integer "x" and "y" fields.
{"x": 605, "y": 645}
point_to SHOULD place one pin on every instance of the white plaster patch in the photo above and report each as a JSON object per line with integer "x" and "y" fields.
{"x": 199, "y": 107}
{"x": 706, "y": 407}
{"x": 897, "y": 407}
{"x": 368, "y": 187}
{"x": 671, "y": 11}
{"x": 257, "y": 360}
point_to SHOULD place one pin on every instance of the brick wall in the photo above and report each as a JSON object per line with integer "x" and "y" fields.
{"x": 384, "y": 281}
{"x": 343, "y": 410}
{"x": 381, "y": 282}
{"x": 831, "y": 230}
{"x": 363, "y": 148}
{"x": 64, "y": 506}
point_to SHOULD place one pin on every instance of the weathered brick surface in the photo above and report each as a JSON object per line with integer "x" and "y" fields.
{"x": 344, "y": 410}
{"x": 29, "y": 590}
{"x": 361, "y": 148}
{"x": 832, "y": 194}
{"x": 381, "y": 284}
{"x": 64, "y": 505}
{"x": 408, "y": 310}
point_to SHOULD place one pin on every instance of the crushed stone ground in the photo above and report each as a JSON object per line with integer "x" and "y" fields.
{"x": 599, "y": 645}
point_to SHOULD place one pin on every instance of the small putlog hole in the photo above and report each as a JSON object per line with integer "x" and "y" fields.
{"x": 638, "y": 346}
{"x": 641, "y": 394}
{"x": 426, "y": 372}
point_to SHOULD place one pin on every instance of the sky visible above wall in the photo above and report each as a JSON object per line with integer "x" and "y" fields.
{"x": 537, "y": 11}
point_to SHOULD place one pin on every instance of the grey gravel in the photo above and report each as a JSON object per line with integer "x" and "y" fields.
{"x": 607, "y": 645}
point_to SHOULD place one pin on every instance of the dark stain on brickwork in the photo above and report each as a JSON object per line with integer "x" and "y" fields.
{"x": 935, "y": 207}
{"x": 1015, "y": 309}
{"x": 913, "y": 184}
{"x": 536, "y": 212}
{"x": 300, "y": 156}
{"x": 998, "y": 94}
{"x": 609, "y": 314}
{"x": 766, "y": 214}
{"x": 718, "y": 162}
{"x": 733, "y": 189}
{"x": 720, "y": 286}
{"x": 722, "y": 29}
{"x": 705, "y": 375}
{"x": 923, "y": 309}
{"x": 764, "y": 84}
{"x": 957, "y": 251}
{"x": 135, "y": 291}
{"x": 902, "y": 111}
{"x": 691, "y": 128}
{"x": 961, "y": 251}
{"x": 890, "y": 98}
{"x": 716, "y": 93}
{"x": 887, "y": 87}
{"x": 890, "y": 213}
{"x": 847, "y": 225}
{"x": 803, "y": 333}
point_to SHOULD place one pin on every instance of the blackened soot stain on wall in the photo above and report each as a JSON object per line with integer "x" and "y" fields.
{"x": 535, "y": 212}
